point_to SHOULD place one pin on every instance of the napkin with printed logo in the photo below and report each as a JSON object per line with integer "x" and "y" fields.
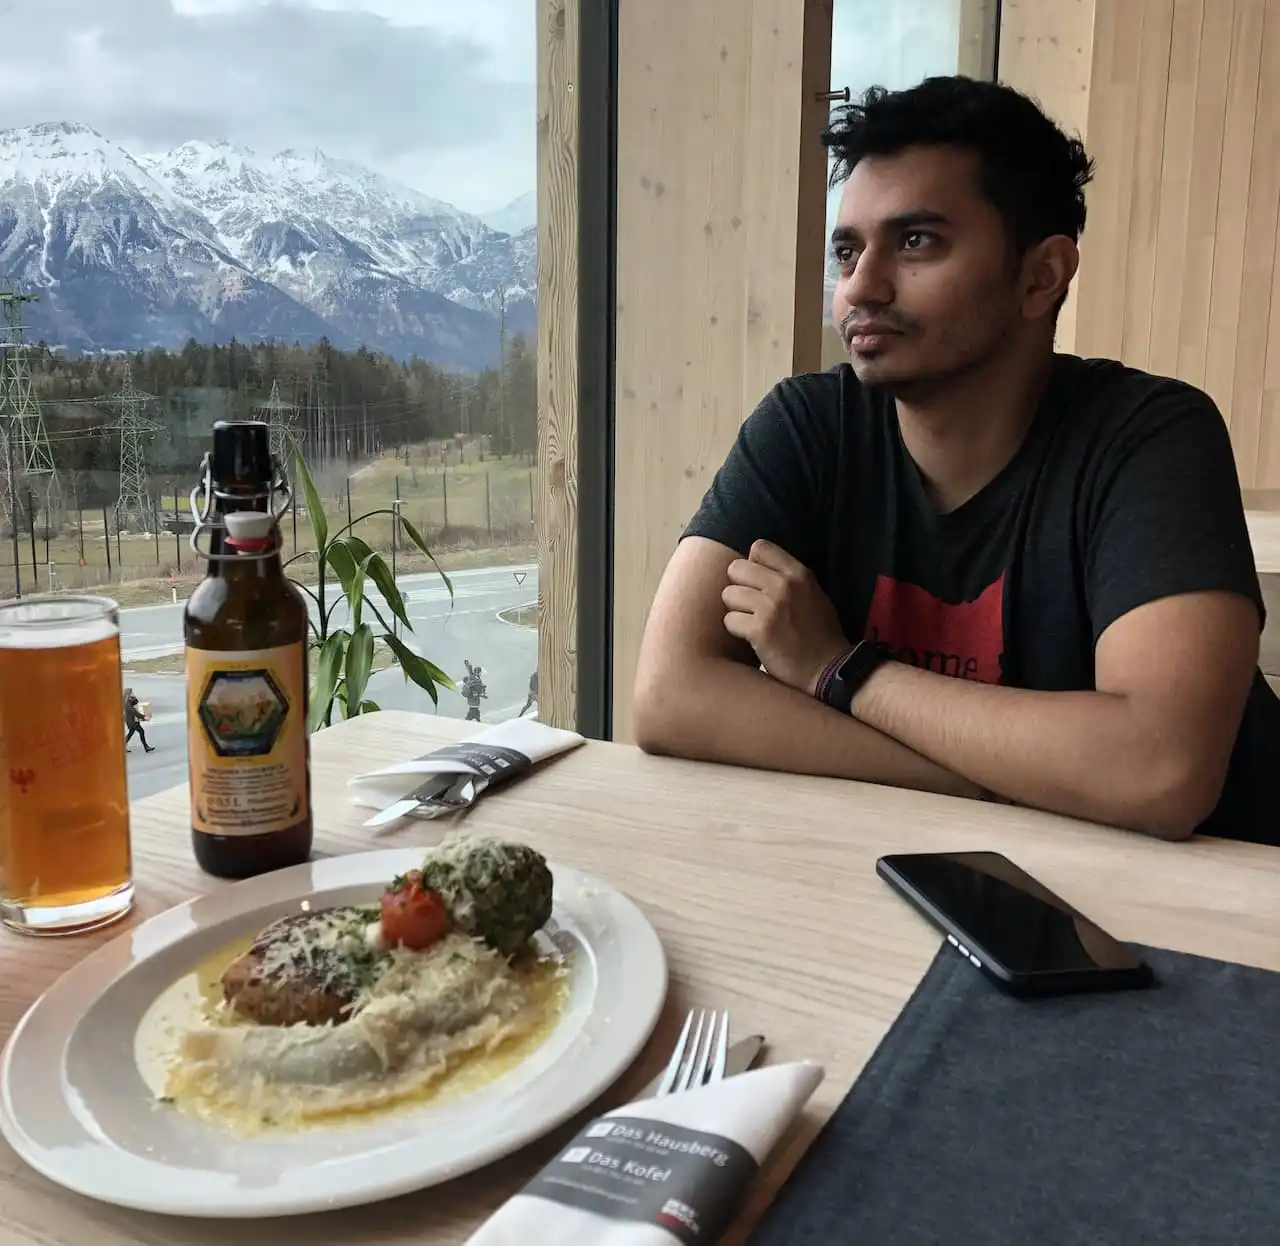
{"x": 670, "y": 1171}
{"x": 455, "y": 776}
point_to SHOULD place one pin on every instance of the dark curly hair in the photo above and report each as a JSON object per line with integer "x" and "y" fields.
{"x": 1029, "y": 169}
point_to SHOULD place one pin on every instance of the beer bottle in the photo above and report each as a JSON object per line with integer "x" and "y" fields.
{"x": 245, "y": 628}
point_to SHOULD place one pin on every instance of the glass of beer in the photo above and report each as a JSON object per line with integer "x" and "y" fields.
{"x": 65, "y": 861}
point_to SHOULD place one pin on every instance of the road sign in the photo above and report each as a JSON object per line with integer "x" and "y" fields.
{"x": 520, "y": 576}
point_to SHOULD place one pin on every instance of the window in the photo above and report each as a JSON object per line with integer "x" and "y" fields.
{"x": 322, "y": 215}
{"x": 896, "y": 46}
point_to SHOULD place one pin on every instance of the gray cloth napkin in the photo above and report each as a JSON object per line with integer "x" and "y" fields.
{"x": 1143, "y": 1118}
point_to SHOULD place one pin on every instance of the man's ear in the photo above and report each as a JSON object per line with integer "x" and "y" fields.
{"x": 1047, "y": 270}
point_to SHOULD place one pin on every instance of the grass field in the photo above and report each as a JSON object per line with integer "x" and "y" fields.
{"x": 470, "y": 513}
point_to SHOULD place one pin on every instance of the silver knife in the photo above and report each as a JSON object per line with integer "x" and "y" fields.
{"x": 741, "y": 1056}
{"x": 449, "y": 791}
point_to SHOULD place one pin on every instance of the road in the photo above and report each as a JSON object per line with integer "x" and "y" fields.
{"x": 445, "y": 631}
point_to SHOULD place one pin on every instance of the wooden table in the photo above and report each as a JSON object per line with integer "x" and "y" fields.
{"x": 763, "y": 891}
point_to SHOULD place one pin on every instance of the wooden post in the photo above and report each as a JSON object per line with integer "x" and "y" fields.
{"x": 75, "y": 495}
{"x": 444, "y": 484}
{"x": 395, "y": 523}
{"x": 488, "y": 508}
{"x": 177, "y": 527}
{"x": 31, "y": 520}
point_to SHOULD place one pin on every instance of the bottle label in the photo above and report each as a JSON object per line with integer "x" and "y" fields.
{"x": 247, "y": 739}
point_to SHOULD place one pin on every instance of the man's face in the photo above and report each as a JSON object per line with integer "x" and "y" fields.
{"x": 927, "y": 288}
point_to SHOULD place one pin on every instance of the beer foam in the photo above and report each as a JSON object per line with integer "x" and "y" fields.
{"x": 53, "y": 633}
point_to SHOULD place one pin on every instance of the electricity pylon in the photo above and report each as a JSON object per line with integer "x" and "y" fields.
{"x": 27, "y": 453}
{"x": 7, "y": 479}
{"x": 133, "y": 510}
{"x": 281, "y": 431}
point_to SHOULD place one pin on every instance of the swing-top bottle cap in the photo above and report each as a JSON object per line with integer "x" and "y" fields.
{"x": 241, "y": 453}
{"x": 248, "y": 525}
{"x": 249, "y": 530}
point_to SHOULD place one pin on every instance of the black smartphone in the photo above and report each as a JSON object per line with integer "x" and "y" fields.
{"x": 1012, "y": 928}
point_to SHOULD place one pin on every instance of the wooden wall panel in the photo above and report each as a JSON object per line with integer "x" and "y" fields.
{"x": 1179, "y": 102}
{"x": 557, "y": 488}
{"x": 721, "y": 180}
{"x": 1046, "y": 50}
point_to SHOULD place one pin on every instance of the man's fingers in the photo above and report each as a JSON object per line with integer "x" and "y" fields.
{"x": 754, "y": 575}
{"x": 740, "y": 625}
{"x": 767, "y": 554}
{"x": 742, "y": 599}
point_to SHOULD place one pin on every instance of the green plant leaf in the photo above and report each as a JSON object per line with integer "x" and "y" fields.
{"x": 370, "y": 707}
{"x": 328, "y": 673}
{"x": 425, "y": 674}
{"x": 355, "y": 594}
{"x": 315, "y": 509}
{"x": 359, "y": 663}
{"x": 416, "y": 537}
{"x": 441, "y": 677}
{"x": 377, "y": 570}
{"x": 342, "y": 562}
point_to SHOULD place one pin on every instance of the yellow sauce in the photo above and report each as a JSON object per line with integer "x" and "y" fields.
{"x": 196, "y": 999}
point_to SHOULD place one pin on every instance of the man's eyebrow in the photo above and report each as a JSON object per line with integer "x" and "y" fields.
{"x": 912, "y": 219}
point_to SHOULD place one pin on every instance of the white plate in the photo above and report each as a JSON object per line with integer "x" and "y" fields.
{"x": 74, "y": 1106}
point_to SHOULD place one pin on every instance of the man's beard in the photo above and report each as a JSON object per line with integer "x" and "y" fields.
{"x": 925, "y": 385}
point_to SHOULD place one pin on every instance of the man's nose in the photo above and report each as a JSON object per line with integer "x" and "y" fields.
{"x": 871, "y": 282}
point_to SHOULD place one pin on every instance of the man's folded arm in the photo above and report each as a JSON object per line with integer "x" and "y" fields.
{"x": 701, "y": 694}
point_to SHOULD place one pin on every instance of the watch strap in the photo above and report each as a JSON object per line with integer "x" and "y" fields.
{"x": 841, "y": 680}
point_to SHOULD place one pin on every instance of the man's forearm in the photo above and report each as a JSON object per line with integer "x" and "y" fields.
{"x": 725, "y": 711}
{"x": 1078, "y": 753}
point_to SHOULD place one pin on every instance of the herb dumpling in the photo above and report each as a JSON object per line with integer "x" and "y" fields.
{"x": 494, "y": 889}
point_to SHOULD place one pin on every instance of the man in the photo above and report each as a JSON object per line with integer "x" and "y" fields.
{"x": 473, "y": 690}
{"x": 133, "y": 721}
{"x": 961, "y": 562}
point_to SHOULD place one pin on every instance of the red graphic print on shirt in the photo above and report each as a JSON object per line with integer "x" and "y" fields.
{"x": 965, "y": 640}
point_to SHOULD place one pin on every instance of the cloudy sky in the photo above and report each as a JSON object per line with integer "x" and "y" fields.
{"x": 439, "y": 94}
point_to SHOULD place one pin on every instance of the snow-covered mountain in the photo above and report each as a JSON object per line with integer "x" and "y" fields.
{"x": 212, "y": 241}
{"x": 515, "y": 217}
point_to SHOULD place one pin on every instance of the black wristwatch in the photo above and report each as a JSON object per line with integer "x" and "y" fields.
{"x": 838, "y": 688}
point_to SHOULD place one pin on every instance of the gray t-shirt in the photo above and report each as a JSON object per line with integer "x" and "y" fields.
{"x": 1124, "y": 491}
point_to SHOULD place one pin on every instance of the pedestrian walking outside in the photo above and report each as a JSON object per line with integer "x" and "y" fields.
{"x": 533, "y": 694}
{"x": 133, "y": 721}
{"x": 474, "y": 691}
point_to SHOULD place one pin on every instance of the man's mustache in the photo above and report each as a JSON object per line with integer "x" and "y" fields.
{"x": 856, "y": 317}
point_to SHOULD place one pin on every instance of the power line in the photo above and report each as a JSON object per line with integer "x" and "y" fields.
{"x": 284, "y": 437}
{"x": 27, "y": 452}
{"x": 133, "y": 508}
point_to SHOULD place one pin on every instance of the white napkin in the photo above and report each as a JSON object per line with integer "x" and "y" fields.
{"x": 659, "y": 1171}
{"x": 453, "y": 777}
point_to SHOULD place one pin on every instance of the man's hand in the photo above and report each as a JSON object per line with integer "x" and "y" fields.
{"x": 774, "y": 603}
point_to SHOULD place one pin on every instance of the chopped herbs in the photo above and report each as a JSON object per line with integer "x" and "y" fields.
{"x": 494, "y": 890}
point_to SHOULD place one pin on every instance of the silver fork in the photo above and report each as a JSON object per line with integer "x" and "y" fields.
{"x": 700, "y": 1052}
